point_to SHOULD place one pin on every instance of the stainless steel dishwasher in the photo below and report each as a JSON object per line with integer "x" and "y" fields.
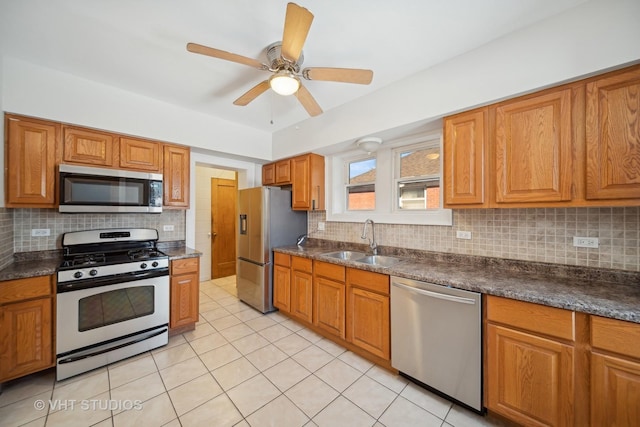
{"x": 436, "y": 338}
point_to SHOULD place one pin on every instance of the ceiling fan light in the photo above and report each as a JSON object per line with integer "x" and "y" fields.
{"x": 284, "y": 83}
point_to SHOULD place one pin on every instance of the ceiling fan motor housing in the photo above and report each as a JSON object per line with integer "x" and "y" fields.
{"x": 276, "y": 62}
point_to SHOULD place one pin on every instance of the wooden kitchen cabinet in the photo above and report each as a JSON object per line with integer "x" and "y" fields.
{"x": 533, "y": 371}
{"x": 176, "y": 176}
{"x": 139, "y": 154}
{"x": 301, "y": 305}
{"x": 613, "y": 136}
{"x": 307, "y": 186}
{"x": 615, "y": 372}
{"x": 534, "y": 148}
{"x": 269, "y": 174}
{"x": 368, "y": 312}
{"x": 26, "y": 326}
{"x": 282, "y": 282}
{"x": 283, "y": 172}
{"x": 329, "y": 292}
{"x": 185, "y": 291}
{"x": 31, "y": 156}
{"x": 466, "y": 159}
{"x": 88, "y": 147}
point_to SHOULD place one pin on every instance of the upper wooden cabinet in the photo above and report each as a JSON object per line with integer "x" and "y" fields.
{"x": 283, "y": 172}
{"x": 88, "y": 147}
{"x": 139, "y": 154}
{"x": 466, "y": 158}
{"x": 269, "y": 174}
{"x": 613, "y": 136}
{"x": 533, "y": 149}
{"x": 307, "y": 186}
{"x": 176, "y": 176}
{"x": 31, "y": 156}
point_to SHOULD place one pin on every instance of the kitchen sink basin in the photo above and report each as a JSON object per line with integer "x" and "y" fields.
{"x": 345, "y": 255}
{"x": 379, "y": 260}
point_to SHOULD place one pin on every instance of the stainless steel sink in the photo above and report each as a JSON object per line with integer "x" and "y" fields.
{"x": 345, "y": 255}
{"x": 379, "y": 260}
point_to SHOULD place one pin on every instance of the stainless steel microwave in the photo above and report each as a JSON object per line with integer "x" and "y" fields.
{"x": 90, "y": 189}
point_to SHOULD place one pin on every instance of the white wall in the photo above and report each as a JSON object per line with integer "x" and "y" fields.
{"x": 37, "y": 91}
{"x": 594, "y": 36}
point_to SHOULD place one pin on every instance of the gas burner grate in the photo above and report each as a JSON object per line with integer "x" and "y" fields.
{"x": 144, "y": 254}
{"x": 90, "y": 259}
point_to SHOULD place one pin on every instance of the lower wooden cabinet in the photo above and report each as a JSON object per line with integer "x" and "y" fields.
{"x": 302, "y": 288}
{"x": 26, "y": 326}
{"x": 185, "y": 290}
{"x": 329, "y": 298}
{"x": 368, "y": 312}
{"x": 282, "y": 282}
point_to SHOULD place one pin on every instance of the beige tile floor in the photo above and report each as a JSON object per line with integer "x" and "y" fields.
{"x": 237, "y": 368}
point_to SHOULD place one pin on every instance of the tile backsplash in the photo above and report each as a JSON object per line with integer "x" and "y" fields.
{"x": 6, "y": 237}
{"x": 544, "y": 235}
{"x": 24, "y": 220}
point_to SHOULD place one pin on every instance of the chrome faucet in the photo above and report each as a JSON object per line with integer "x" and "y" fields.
{"x": 372, "y": 241}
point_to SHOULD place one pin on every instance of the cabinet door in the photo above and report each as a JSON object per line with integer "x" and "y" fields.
{"x": 184, "y": 300}
{"x": 269, "y": 174}
{"x": 176, "y": 176}
{"x": 465, "y": 159}
{"x": 137, "y": 154}
{"x": 30, "y": 163}
{"x": 529, "y": 378}
{"x": 302, "y": 295}
{"x": 329, "y": 306}
{"x": 613, "y": 137}
{"x": 25, "y": 338}
{"x": 282, "y": 288}
{"x": 368, "y": 318}
{"x": 615, "y": 391}
{"x": 88, "y": 147}
{"x": 283, "y": 172}
{"x": 533, "y": 149}
{"x": 307, "y": 182}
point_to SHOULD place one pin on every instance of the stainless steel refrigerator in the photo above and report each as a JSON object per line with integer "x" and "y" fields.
{"x": 265, "y": 222}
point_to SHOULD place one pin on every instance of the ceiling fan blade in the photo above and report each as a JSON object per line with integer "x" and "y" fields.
{"x": 344, "y": 75}
{"x": 308, "y": 102}
{"x": 252, "y": 93}
{"x": 228, "y": 56}
{"x": 296, "y": 27}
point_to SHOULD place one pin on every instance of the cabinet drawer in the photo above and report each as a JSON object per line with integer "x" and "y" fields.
{"x": 374, "y": 282}
{"x": 23, "y": 289}
{"x": 185, "y": 265}
{"x": 552, "y": 321}
{"x": 330, "y": 271}
{"x": 301, "y": 264}
{"x": 282, "y": 259}
{"x": 615, "y": 335}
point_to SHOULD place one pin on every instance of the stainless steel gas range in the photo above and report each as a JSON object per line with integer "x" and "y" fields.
{"x": 112, "y": 298}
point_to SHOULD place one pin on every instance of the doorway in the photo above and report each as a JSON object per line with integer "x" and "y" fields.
{"x": 223, "y": 227}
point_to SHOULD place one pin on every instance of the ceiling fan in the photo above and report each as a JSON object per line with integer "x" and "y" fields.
{"x": 284, "y": 60}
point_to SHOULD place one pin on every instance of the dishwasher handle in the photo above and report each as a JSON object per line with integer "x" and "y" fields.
{"x": 438, "y": 295}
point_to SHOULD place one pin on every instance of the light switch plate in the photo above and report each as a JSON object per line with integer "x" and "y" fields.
{"x": 466, "y": 235}
{"x": 585, "y": 242}
{"x": 168, "y": 227}
{"x": 40, "y": 232}
{"x": 320, "y": 226}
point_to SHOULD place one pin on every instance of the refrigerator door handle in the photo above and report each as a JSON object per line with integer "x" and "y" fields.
{"x": 243, "y": 223}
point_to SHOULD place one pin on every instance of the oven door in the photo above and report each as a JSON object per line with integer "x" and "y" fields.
{"x": 94, "y": 316}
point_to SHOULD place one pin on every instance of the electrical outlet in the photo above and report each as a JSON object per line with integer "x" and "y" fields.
{"x": 585, "y": 242}
{"x": 463, "y": 235}
{"x": 320, "y": 226}
{"x": 168, "y": 227}
{"x": 40, "y": 232}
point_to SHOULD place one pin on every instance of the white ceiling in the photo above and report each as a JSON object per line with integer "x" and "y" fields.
{"x": 140, "y": 45}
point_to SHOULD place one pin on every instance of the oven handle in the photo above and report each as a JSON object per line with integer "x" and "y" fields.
{"x": 106, "y": 350}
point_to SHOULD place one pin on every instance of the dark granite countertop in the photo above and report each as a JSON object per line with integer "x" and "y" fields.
{"x": 607, "y": 293}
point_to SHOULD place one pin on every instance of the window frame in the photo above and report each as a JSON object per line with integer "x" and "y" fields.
{"x": 348, "y": 161}
{"x": 397, "y": 180}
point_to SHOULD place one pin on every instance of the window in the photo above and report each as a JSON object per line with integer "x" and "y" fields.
{"x": 398, "y": 184}
{"x": 361, "y": 186}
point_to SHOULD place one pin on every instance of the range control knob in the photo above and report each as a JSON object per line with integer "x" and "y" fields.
{"x": 154, "y": 264}
{"x": 77, "y": 274}
{"x": 143, "y": 265}
{"x": 93, "y": 272}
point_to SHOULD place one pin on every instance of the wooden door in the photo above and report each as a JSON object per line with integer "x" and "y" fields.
{"x": 465, "y": 159}
{"x": 26, "y": 344}
{"x": 329, "y": 306}
{"x": 530, "y": 379}
{"x": 368, "y": 318}
{"x": 615, "y": 391}
{"x": 282, "y": 288}
{"x": 534, "y": 148}
{"x": 613, "y": 137}
{"x": 224, "y": 193}
{"x": 88, "y": 147}
{"x": 138, "y": 154}
{"x": 31, "y": 159}
{"x": 176, "y": 176}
